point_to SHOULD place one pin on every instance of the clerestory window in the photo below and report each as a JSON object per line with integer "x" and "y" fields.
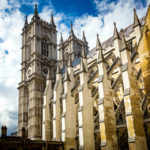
{"x": 44, "y": 47}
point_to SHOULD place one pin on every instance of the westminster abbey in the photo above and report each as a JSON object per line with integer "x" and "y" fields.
{"x": 88, "y": 99}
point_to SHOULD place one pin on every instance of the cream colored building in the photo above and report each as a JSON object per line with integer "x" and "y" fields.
{"x": 88, "y": 99}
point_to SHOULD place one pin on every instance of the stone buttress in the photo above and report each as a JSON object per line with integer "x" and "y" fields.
{"x": 69, "y": 110}
{"x": 57, "y": 91}
{"x": 134, "y": 119}
{"x": 45, "y": 109}
{"x": 85, "y": 111}
{"x": 107, "y": 120}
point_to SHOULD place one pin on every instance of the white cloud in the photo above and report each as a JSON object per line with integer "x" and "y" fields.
{"x": 107, "y": 13}
{"x": 11, "y": 23}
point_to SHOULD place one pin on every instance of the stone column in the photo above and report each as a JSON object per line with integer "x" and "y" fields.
{"x": 134, "y": 118}
{"x": 107, "y": 118}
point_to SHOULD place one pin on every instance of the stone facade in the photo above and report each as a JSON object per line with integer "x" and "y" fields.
{"x": 97, "y": 99}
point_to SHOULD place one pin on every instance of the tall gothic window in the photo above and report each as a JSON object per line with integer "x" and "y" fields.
{"x": 44, "y": 47}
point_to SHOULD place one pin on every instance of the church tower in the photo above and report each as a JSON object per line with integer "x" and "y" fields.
{"x": 71, "y": 48}
{"x": 39, "y": 54}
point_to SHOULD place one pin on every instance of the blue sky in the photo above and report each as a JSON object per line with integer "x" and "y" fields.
{"x": 69, "y": 7}
{"x": 92, "y": 16}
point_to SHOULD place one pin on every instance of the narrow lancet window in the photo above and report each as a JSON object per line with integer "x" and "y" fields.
{"x": 44, "y": 47}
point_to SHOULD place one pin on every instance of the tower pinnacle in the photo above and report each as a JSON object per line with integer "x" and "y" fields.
{"x": 52, "y": 20}
{"x": 82, "y": 66}
{"x": 116, "y": 34}
{"x": 99, "y": 49}
{"x": 61, "y": 38}
{"x": 123, "y": 42}
{"x": 36, "y": 15}
{"x": 72, "y": 32}
{"x": 26, "y": 21}
{"x": 136, "y": 19}
{"x": 98, "y": 44}
{"x": 83, "y": 37}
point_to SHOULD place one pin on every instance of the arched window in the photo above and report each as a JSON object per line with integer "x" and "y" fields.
{"x": 44, "y": 47}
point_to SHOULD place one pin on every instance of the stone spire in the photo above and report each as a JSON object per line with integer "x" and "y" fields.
{"x": 100, "y": 57}
{"x": 72, "y": 32}
{"x": 66, "y": 77}
{"x": 84, "y": 38}
{"x": 136, "y": 19}
{"x": 58, "y": 69}
{"x": 82, "y": 66}
{"x": 123, "y": 42}
{"x": 36, "y": 15}
{"x": 70, "y": 62}
{"x": 98, "y": 44}
{"x": 26, "y": 21}
{"x": 52, "y": 20}
{"x": 61, "y": 38}
{"x": 116, "y": 34}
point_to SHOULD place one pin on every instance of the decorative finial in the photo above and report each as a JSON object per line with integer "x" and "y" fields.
{"x": 72, "y": 32}
{"x": 136, "y": 19}
{"x": 84, "y": 38}
{"x": 98, "y": 44}
{"x": 82, "y": 66}
{"x": 26, "y": 21}
{"x": 52, "y": 20}
{"x": 36, "y": 13}
{"x": 100, "y": 57}
{"x": 123, "y": 42}
{"x": 61, "y": 38}
{"x": 116, "y": 34}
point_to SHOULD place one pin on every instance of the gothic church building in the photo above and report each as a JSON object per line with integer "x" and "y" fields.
{"x": 89, "y": 99}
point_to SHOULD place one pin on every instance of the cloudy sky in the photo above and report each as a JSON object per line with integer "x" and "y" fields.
{"x": 92, "y": 16}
